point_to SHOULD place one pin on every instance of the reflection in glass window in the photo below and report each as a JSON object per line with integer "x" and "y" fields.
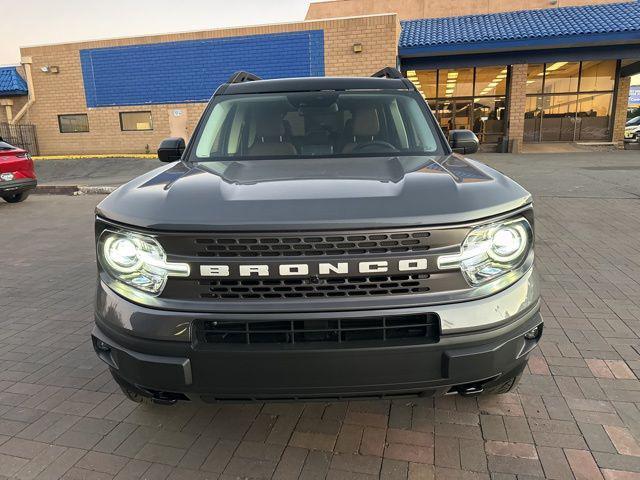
{"x": 455, "y": 82}
{"x": 132, "y": 121}
{"x": 469, "y": 98}
{"x": 76, "y": 123}
{"x": 558, "y": 118}
{"x": 425, "y": 81}
{"x": 491, "y": 81}
{"x": 566, "y": 111}
{"x": 535, "y": 76}
{"x": 489, "y": 115}
{"x": 532, "y": 119}
{"x": 561, "y": 77}
{"x": 598, "y": 76}
{"x": 594, "y": 116}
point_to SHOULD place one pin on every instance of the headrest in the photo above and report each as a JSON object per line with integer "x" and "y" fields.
{"x": 365, "y": 122}
{"x": 269, "y": 125}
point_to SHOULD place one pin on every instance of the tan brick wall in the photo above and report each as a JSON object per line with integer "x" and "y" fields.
{"x": 516, "y": 105}
{"x": 620, "y": 111}
{"x": 63, "y": 93}
{"x": 407, "y": 9}
{"x": 18, "y": 102}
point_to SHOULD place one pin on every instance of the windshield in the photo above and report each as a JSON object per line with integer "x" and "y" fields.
{"x": 316, "y": 124}
{"x": 633, "y": 122}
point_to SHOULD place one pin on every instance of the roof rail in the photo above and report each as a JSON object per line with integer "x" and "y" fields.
{"x": 241, "y": 76}
{"x": 388, "y": 72}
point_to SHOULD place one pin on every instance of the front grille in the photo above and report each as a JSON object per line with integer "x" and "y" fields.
{"x": 324, "y": 287}
{"x": 313, "y": 245}
{"x": 232, "y": 249}
{"x": 419, "y": 329}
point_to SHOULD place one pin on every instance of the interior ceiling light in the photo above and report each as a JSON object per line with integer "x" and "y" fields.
{"x": 452, "y": 75}
{"x": 556, "y": 66}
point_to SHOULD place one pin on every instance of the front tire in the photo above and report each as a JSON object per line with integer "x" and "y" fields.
{"x": 129, "y": 392}
{"x": 506, "y": 386}
{"x": 16, "y": 197}
{"x": 134, "y": 396}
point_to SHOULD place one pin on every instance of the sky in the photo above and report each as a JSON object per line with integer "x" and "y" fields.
{"x": 38, "y": 22}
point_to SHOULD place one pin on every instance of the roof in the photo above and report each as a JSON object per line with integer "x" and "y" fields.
{"x": 526, "y": 28}
{"x": 11, "y": 83}
{"x": 306, "y": 84}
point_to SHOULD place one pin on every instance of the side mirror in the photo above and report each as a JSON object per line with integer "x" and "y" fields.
{"x": 463, "y": 141}
{"x": 171, "y": 149}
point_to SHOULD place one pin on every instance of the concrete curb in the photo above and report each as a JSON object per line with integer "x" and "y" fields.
{"x": 73, "y": 190}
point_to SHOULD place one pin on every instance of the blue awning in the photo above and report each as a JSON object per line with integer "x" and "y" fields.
{"x": 567, "y": 27}
{"x": 11, "y": 83}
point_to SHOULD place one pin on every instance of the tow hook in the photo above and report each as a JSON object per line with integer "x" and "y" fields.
{"x": 469, "y": 390}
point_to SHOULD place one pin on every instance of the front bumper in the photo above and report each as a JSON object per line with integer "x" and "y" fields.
{"x": 17, "y": 186}
{"x": 136, "y": 343}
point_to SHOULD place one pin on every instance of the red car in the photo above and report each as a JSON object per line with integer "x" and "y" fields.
{"x": 17, "y": 175}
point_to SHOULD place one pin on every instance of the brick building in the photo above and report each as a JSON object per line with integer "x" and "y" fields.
{"x": 512, "y": 71}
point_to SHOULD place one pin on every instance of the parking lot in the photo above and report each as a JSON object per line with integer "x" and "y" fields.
{"x": 575, "y": 414}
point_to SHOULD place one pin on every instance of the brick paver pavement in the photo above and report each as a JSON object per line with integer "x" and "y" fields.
{"x": 575, "y": 414}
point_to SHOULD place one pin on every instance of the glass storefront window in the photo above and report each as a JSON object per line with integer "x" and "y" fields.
{"x": 456, "y": 82}
{"x": 558, "y": 118}
{"x": 489, "y": 116}
{"x": 561, "y": 77}
{"x": 532, "y": 119}
{"x": 491, "y": 81}
{"x": 594, "y": 116}
{"x": 559, "y": 107}
{"x": 598, "y": 76}
{"x": 535, "y": 76}
{"x": 425, "y": 82}
{"x": 469, "y": 98}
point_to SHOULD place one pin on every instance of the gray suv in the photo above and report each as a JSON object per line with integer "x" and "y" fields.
{"x": 318, "y": 238}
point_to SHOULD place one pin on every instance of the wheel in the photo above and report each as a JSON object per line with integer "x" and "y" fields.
{"x": 506, "y": 386}
{"x": 135, "y": 397}
{"x": 129, "y": 392}
{"x": 16, "y": 197}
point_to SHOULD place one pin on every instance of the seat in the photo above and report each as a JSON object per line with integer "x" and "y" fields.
{"x": 270, "y": 139}
{"x": 366, "y": 125}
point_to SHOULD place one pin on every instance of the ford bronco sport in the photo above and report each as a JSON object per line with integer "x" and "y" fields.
{"x": 318, "y": 238}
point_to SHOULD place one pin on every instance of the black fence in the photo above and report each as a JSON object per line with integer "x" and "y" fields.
{"x": 23, "y": 136}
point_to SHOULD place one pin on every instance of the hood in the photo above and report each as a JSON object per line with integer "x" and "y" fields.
{"x": 314, "y": 193}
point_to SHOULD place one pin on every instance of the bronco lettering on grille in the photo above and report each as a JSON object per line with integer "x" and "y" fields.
{"x": 318, "y": 268}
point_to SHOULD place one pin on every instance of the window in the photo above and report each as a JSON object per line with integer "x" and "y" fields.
{"x": 470, "y": 98}
{"x": 331, "y": 124}
{"x": 135, "y": 121}
{"x": 76, "y": 123}
{"x": 570, "y": 101}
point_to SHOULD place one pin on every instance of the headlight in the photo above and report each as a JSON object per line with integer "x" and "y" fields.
{"x": 490, "y": 251}
{"x": 137, "y": 261}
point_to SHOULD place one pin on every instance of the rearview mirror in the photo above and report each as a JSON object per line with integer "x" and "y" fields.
{"x": 463, "y": 141}
{"x": 171, "y": 149}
